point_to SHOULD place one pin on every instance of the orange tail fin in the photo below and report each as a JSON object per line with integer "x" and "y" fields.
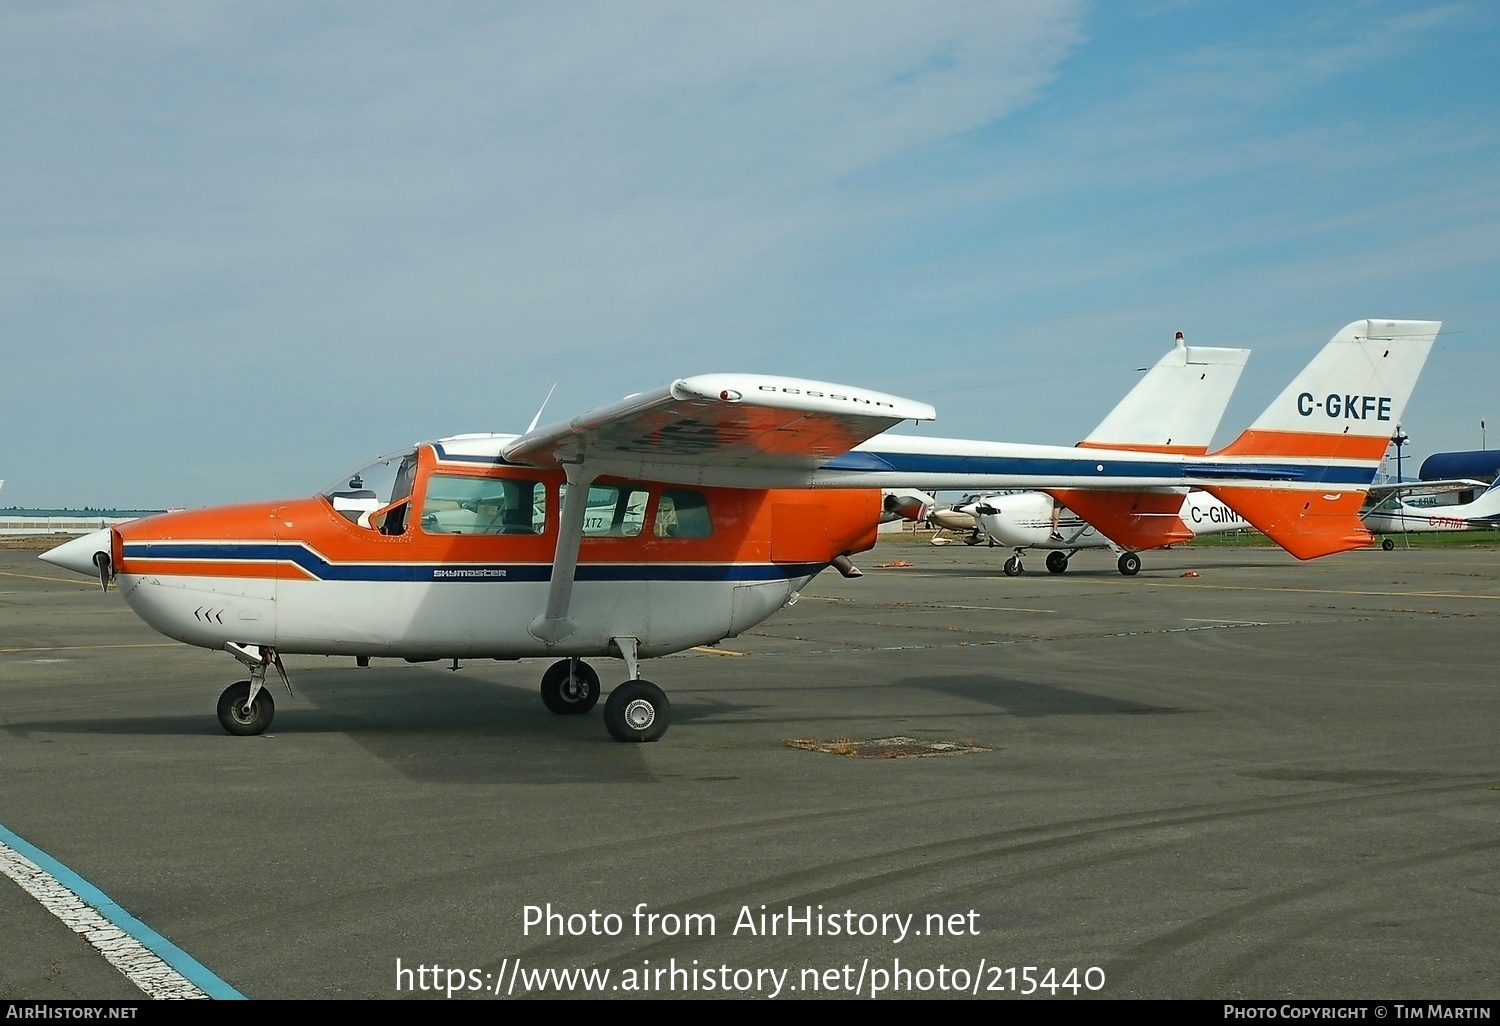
{"x": 1137, "y": 520}
{"x": 1325, "y": 434}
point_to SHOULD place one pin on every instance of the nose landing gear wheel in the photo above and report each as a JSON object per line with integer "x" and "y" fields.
{"x": 570, "y": 686}
{"x": 1013, "y": 566}
{"x": 242, "y": 720}
{"x": 1057, "y": 562}
{"x": 637, "y": 711}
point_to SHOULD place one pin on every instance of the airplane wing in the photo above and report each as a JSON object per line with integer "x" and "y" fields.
{"x": 1385, "y": 491}
{"x": 748, "y": 429}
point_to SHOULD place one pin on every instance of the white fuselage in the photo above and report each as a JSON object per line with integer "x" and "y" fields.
{"x": 446, "y": 619}
{"x": 1430, "y": 513}
{"x": 1025, "y": 520}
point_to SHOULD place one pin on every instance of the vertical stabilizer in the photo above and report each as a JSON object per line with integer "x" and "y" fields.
{"x": 1177, "y": 406}
{"x": 1328, "y": 431}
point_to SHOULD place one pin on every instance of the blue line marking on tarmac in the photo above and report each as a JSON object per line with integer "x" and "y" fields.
{"x": 191, "y": 969}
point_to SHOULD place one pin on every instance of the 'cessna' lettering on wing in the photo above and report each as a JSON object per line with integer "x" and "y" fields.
{"x": 827, "y": 395}
{"x": 1347, "y": 407}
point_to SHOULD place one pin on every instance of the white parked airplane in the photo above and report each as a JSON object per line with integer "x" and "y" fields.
{"x": 1175, "y": 408}
{"x": 753, "y": 485}
{"x": 1419, "y": 508}
{"x": 1034, "y": 520}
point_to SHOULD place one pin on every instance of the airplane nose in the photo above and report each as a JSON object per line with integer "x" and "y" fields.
{"x": 77, "y": 554}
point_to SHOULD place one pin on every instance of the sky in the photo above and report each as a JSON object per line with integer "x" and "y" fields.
{"x": 245, "y": 248}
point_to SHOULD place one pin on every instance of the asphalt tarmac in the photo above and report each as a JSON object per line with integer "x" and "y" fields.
{"x": 1270, "y": 780}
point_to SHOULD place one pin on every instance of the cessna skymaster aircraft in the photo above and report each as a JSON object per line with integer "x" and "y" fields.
{"x": 480, "y": 546}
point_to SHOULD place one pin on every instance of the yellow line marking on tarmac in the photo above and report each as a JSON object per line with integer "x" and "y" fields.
{"x": 54, "y": 580}
{"x": 716, "y": 651}
{"x": 89, "y": 648}
{"x": 1333, "y": 591}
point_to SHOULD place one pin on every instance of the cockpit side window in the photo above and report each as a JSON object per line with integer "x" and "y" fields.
{"x": 455, "y": 504}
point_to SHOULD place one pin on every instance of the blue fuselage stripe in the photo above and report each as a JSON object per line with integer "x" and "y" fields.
{"x": 458, "y": 573}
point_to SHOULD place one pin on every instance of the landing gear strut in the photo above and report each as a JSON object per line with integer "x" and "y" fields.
{"x": 636, "y": 711}
{"x": 245, "y": 707}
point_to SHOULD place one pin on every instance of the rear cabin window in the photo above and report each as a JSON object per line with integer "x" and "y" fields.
{"x": 682, "y": 514}
{"x": 614, "y": 511}
{"x": 482, "y": 505}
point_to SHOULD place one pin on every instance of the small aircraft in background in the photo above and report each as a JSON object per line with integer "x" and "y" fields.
{"x": 1175, "y": 408}
{"x": 1027, "y": 520}
{"x": 725, "y": 495}
{"x": 1422, "y": 508}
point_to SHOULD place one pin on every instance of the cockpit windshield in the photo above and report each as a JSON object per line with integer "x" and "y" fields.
{"x": 374, "y": 486}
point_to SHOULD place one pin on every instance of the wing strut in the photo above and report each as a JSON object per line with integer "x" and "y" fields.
{"x": 554, "y": 624}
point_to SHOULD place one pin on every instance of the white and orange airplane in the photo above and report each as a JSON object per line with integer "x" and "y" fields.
{"x": 681, "y": 517}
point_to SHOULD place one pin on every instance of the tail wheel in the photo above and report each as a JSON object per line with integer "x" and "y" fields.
{"x": 570, "y": 687}
{"x": 637, "y": 711}
{"x": 242, "y": 717}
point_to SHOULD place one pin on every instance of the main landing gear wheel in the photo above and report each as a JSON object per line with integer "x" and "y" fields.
{"x": 1057, "y": 562}
{"x": 239, "y": 716}
{"x": 1388, "y": 544}
{"x": 1013, "y": 566}
{"x": 637, "y": 710}
{"x": 1130, "y": 564}
{"x": 570, "y": 686}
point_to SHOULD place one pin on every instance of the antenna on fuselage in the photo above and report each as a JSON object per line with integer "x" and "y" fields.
{"x": 532, "y": 426}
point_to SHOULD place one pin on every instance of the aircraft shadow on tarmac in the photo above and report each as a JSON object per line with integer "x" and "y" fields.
{"x": 1104, "y": 571}
{"x": 477, "y": 731}
{"x": 1028, "y": 699}
{"x": 452, "y": 730}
